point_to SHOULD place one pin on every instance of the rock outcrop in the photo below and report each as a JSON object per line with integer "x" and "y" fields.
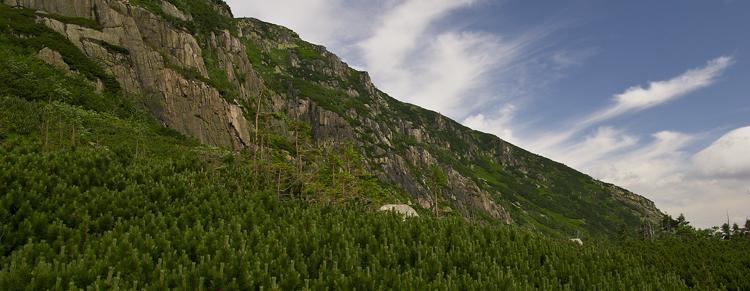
{"x": 56, "y": 60}
{"x": 78, "y": 8}
{"x": 149, "y": 63}
{"x": 173, "y": 11}
{"x": 53, "y": 58}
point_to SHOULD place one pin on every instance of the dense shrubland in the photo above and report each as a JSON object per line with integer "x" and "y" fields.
{"x": 98, "y": 213}
{"x": 95, "y": 194}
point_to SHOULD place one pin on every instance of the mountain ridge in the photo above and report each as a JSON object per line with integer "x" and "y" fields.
{"x": 243, "y": 84}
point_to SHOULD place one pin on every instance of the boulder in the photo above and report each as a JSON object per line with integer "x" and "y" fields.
{"x": 402, "y": 209}
{"x": 53, "y": 58}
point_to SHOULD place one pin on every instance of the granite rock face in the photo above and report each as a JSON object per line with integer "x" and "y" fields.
{"x": 83, "y": 8}
{"x": 56, "y": 60}
{"x": 149, "y": 62}
{"x": 173, "y": 11}
{"x": 53, "y": 58}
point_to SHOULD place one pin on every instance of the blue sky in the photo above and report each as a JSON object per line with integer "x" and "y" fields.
{"x": 650, "y": 95}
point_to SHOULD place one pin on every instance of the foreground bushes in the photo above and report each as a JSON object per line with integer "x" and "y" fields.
{"x": 87, "y": 218}
{"x": 95, "y": 214}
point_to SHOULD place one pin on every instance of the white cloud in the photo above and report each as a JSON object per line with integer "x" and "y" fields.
{"x": 656, "y": 164}
{"x": 451, "y": 67}
{"x": 634, "y": 99}
{"x": 604, "y": 142}
{"x": 335, "y": 23}
{"x": 443, "y": 70}
{"x": 656, "y": 93}
{"x": 727, "y": 157}
{"x": 499, "y": 126}
{"x": 401, "y": 30}
{"x": 704, "y": 186}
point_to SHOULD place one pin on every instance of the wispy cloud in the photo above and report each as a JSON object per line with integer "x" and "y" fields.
{"x": 442, "y": 76}
{"x": 447, "y": 70}
{"x": 572, "y": 58}
{"x": 402, "y": 30}
{"x": 657, "y": 162}
{"x": 635, "y": 99}
{"x": 656, "y": 93}
{"x": 595, "y": 147}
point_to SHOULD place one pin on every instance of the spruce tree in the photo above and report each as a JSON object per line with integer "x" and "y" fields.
{"x": 726, "y": 231}
{"x": 438, "y": 181}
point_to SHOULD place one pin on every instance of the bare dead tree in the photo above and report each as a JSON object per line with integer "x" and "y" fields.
{"x": 278, "y": 184}
{"x": 257, "y": 116}
{"x": 73, "y": 136}
{"x": 258, "y": 143}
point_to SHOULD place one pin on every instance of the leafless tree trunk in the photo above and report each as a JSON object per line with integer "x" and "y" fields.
{"x": 73, "y": 136}
{"x": 257, "y": 117}
{"x": 278, "y": 184}
{"x": 258, "y": 143}
{"x": 46, "y": 130}
{"x": 436, "y": 209}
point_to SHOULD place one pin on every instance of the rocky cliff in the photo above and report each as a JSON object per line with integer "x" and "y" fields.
{"x": 212, "y": 77}
{"x": 148, "y": 56}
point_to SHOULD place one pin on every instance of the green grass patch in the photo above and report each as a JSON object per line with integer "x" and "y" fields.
{"x": 20, "y": 32}
{"x": 80, "y": 21}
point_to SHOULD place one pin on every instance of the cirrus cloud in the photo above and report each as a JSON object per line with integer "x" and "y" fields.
{"x": 656, "y": 93}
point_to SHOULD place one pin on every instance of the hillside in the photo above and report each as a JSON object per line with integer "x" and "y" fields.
{"x": 164, "y": 145}
{"x": 486, "y": 176}
{"x": 245, "y": 84}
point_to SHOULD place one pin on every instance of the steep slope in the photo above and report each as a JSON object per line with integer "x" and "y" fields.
{"x": 246, "y": 84}
{"x": 403, "y": 141}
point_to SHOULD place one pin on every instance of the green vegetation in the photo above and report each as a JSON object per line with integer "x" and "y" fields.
{"x": 20, "y": 33}
{"x": 309, "y": 52}
{"x": 121, "y": 204}
{"x": 111, "y": 47}
{"x": 205, "y": 17}
{"x": 568, "y": 201}
{"x": 96, "y": 194}
{"x": 218, "y": 77}
{"x": 305, "y": 81}
{"x": 541, "y": 195}
{"x": 85, "y": 22}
